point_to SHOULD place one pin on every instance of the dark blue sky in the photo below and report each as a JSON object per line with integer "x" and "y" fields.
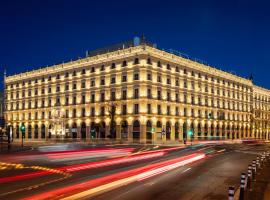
{"x": 231, "y": 35}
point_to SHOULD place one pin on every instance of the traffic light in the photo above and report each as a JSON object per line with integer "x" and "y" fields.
{"x": 190, "y": 133}
{"x": 23, "y": 130}
{"x": 93, "y": 133}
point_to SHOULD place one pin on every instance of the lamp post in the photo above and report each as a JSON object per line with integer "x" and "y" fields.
{"x": 23, "y": 132}
{"x": 190, "y": 133}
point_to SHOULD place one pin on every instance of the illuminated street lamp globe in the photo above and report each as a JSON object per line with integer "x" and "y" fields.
{"x": 57, "y": 122}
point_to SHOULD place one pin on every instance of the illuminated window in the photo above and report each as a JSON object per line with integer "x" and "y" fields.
{"x": 136, "y": 108}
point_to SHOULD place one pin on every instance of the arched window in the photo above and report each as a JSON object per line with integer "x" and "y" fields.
{"x": 136, "y": 61}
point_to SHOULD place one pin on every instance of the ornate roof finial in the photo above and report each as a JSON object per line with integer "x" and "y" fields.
{"x": 251, "y": 77}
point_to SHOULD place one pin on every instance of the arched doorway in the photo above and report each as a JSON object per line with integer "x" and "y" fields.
{"x": 205, "y": 132}
{"x": 237, "y": 132}
{"x": 136, "y": 130}
{"x": 233, "y": 131}
{"x": 83, "y": 130}
{"x": 74, "y": 130}
{"x": 124, "y": 130}
{"x": 50, "y": 131}
{"x": 212, "y": 131}
{"x": 67, "y": 132}
{"x": 159, "y": 130}
{"x": 176, "y": 131}
{"x": 10, "y": 131}
{"x": 185, "y": 130}
{"x": 149, "y": 131}
{"x": 199, "y": 131}
{"x": 168, "y": 131}
{"x": 36, "y": 131}
{"x": 29, "y": 131}
{"x": 228, "y": 132}
{"x": 242, "y": 132}
{"x": 17, "y": 131}
{"x": 223, "y": 132}
{"x": 102, "y": 130}
{"x": 94, "y": 130}
{"x": 43, "y": 131}
{"x": 218, "y": 132}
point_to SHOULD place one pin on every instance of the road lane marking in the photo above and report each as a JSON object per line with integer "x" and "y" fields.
{"x": 186, "y": 170}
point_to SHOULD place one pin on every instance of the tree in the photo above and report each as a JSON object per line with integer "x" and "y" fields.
{"x": 111, "y": 107}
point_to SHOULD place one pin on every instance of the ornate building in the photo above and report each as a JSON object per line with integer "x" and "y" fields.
{"x": 158, "y": 96}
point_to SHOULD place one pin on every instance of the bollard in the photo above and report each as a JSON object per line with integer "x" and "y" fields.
{"x": 258, "y": 163}
{"x": 254, "y": 168}
{"x": 231, "y": 193}
{"x": 249, "y": 177}
{"x": 242, "y": 186}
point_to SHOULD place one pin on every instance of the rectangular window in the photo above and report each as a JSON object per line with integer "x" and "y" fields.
{"x": 124, "y": 94}
{"x": 136, "y": 108}
{"x": 136, "y": 93}
{"x": 83, "y": 99}
{"x": 67, "y": 101}
{"x": 113, "y": 96}
{"x": 124, "y": 78}
{"x": 74, "y": 113}
{"x": 159, "y": 95}
{"x": 124, "y": 109}
{"x": 92, "y": 111}
{"x": 159, "y": 109}
{"x": 168, "y": 110}
{"x": 74, "y": 100}
{"x": 112, "y": 80}
{"x": 102, "y": 97}
{"x": 102, "y": 81}
{"x": 136, "y": 76}
{"x": 83, "y": 85}
{"x": 149, "y": 93}
{"x": 92, "y": 98}
{"x": 149, "y": 109}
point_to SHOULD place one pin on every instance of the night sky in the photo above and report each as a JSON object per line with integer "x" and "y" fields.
{"x": 231, "y": 35}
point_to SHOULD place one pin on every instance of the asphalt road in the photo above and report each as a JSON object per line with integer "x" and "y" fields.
{"x": 208, "y": 178}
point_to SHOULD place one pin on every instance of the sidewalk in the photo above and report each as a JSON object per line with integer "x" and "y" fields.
{"x": 13, "y": 148}
{"x": 261, "y": 187}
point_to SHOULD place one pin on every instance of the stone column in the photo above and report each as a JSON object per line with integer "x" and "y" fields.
{"x": 180, "y": 132}
{"x": 79, "y": 132}
{"x": 107, "y": 130}
{"x": 47, "y": 131}
{"x": 202, "y": 132}
{"x": 195, "y": 132}
{"x": 26, "y": 132}
{"x": 130, "y": 134}
{"x": 209, "y": 132}
{"x": 172, "y": 133}
{"x": 39, "y": 131}
{"x": 154, "y": 134}
{"x": 118, "y": 132}
{"x": 142, "y": 133}
{"x": 215, "y": 132}
{"x": 88, "y": 129}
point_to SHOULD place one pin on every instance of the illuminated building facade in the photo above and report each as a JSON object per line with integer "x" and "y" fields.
{"x": 159, "y": 96}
